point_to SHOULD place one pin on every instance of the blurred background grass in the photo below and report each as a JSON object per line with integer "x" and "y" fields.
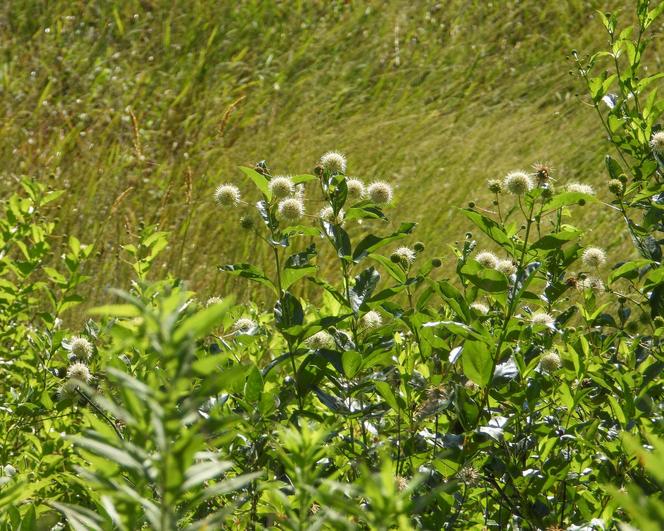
{"x": 140, "y": 108}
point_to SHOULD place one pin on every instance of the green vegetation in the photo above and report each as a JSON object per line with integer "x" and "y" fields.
{"x": 359, "y": 382}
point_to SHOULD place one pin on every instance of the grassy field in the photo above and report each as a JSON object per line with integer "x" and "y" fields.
{"x": 139, "y": 109}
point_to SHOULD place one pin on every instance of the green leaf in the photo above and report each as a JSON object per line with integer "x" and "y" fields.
{"x": 253, "y": 387}
{"x": 477, "y": 362}
{"x": 116, "y": 310}
{"x": 365, "y": 283}
{"x": 249, "y": 271}
{"x": 259, "y": 180}
{"x": 112, "y": 453}
{"x": 288, "y": 311}
{"x": 555, "y": 240}
{"x": 614, "y": 168}
{"x": 489, "y": 280}
{"x": 199, "y": 473}
{"x": 384, "y": 390}
{"x": 372, "y": 242}
{"x": 489, "y": 227}
{"x": 201, "y": 323}
{"x": 352, "y": 362}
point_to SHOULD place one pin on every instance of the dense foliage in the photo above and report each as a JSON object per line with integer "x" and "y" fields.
{"x": 518, "y": 386}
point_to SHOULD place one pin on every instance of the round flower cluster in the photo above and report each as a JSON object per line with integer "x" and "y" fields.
{"x": 542, "y": 318}
{"x": 518, "y": 182}
{"x": 480, "y": 308}
{"x": 404, "y": 256}
{"x": 506, "y": 267}
{"x": 593, "y": 257}
{"x": 487, "y": 259}
{"x": 227, "y": 195}
{"x": 80, "y": 347}
{"x": 550, "y": 361}
{"x": 291, "y": 209}
{"x": 356, "y": 188}
{"x": 320, "y": 340}
{"x": 616, "y": 187}
{"x": 380, "y": 192}
{"x": 333, "y": 162}
{"x": 327, "y": 214}
{"x": 657, "y": 143}
{"x": 281, "y": 186}
{"x": 79, "y": 372}
{"x": 371, "y": 319}
{"x": 581, "y": 188}
{"x": 591, "y": 283}
{"x": 244, "y": 326}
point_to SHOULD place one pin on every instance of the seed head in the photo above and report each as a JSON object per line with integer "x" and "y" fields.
{"x": 291, "y": 209}
{"x": 593, "y": 257}
{"x": 244, "y": 326}
{"x": 80, "y": 347}
{"x": 247, "y": 222}
{"x": 320, "y": 340}
{"x": 592, "y": 283}
{"x": 480, "y": 308}
{"x": 487, "y": 259}
{"x": 506, "y": 267}
{"x": 402, "y": 483}
{"x": 356, "y": 189}
{"x": 371, "y": 319}
{"x": 518, "y": 182}
{"x": 380, "y": 192}
{"x": 616, "y": 187}
{"x": 404, "y": 256}
{"x": 79, "y": 372}
{"x": 327, "y": 214}
{"x": 227, "y": 195}
{"x": 550, "y": 361}
{"x": 542, "y": 318}
{"x": 495, "y": 186}
{"x": 281, "y": 186}
{"x": 334, "y": 162}
{"x": 471, "y": 386}
{"x": 657, "y": 143}
{"x": 468, "y": 475}
{"x": 581, "y": 188}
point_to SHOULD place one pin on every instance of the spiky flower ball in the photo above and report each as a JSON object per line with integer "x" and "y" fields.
{"x": 320, "y": 340}
{"x": 506, "y": 267}
{"x": 469, "y": 475}
{"x": 542, "y": 173}
{"x": 80, "y": 347}
{"x": 281, "y": 186}
{"x": 591, "y": 283}
{"x": 657, "y": 143}
{"x": 616, "y": 187}
{"x": 8, "y": 471}
{"x": 380, "y": 192}
{"x": 550, "y": 361}
{"x": 244, "y": 326}
{"x": 333, "y": 162}
{"x": 480, "y": 308}
{"x": 356, "y": 188}
{"x": 542, "y": 318}
{"x": 495, "y": 186}
{"x": 327, "y": 214}
{"x": 291, "y": 209}
{"x": 487, "y": 259}
{"x": 581, "y": 188}
{"x": 402, "y": 483}
{"x": 404, "y": 256}
{"x": 79, "y": 372}
{"x": 518, "y": 182}
{"x": 371, "y": 319}
{"x": 212, "y": 301}
{"x": 227, "y": 195}
{"x": 593, "y": 257}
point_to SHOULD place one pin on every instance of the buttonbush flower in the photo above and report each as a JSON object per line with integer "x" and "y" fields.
{"x": 227, "y": 195}
{"x": 593, "y": 257}
{"x": 327, "y": 214}
{"x": 319, "y": 340}
{"x": 404, "y": 256}
{"x": 542, "y": 318}
{"x": 581, "y": 188}
{"x": 487, "y": 259}
{"x": 80, "y": 347}
{"x": 518, "y": 182}
{"x": 657, "y": 143}
{"x": 281, "y": 186}
{"x": 380, "y": 192}
{"x": 506, "y": 267}
{"x": 371, "y": 319}
{"x": 550, "y": 361}
{"x": 291, "y": 209}
{"x": 79, "y": 372}
{"x": 244, "y": 326}
{"x": 356, "y": 189}
{"x": 334, "y": 162}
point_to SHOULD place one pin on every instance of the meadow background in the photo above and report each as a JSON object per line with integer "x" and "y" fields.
{"x": 140, "y": 109}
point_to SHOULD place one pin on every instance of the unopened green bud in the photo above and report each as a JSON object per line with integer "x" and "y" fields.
{"x": 436, "y": 262}
{"x": 616, "y": 187}
{"x": 418, "y": 247}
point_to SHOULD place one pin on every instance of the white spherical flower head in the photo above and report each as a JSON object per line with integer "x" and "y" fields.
{"x": 371, "y": 319}
{"x": 593, "y": 257}
{"x": 581, "y": 188}
{"x": 405, "y": 255}
{"x": 80, "y": 347}
{"x": 487, "y": 259}
{"x": 380, "y": 192}
{"x": 212, "y": 301}
{"x": 591, "y": 283}
{"x": 506, "y": 267}
{"x": 79, "y": 372}
{"x": 227, "y": 195}
{"x": 334, "y": 162}
{"x": 281, "y": 186}
{"x": 291, "y": 209}
{"x": 480, "y": 308}
{"x": 550, "y": 361}
{"x": 319, "y": 340}
{"x": 327, "y": 214}
{"x": 518, "y": 182}
{"x": 244, "y": 326}
{"x": 8, "y": 471}
{"x": 356, "y": 189}
{"x": 657, "y": 143}
{"x": 542, "y": 318}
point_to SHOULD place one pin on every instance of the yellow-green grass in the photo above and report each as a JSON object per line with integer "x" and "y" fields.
{"x": 434, "y": 97}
